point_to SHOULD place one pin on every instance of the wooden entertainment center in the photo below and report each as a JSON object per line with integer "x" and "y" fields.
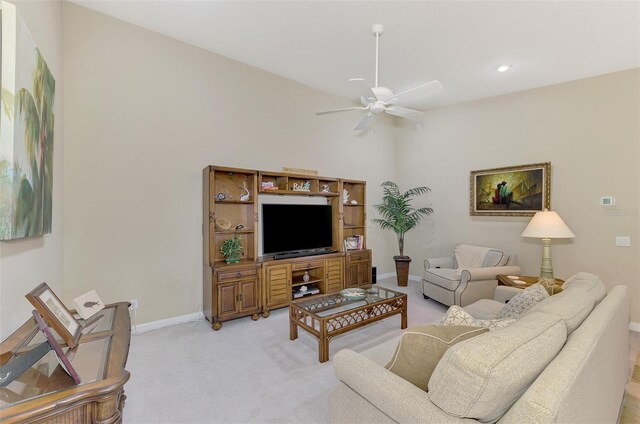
{"x": 256, "y": 285}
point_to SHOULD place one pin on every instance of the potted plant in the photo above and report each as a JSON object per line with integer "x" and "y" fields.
{"x": 398, "y": 215}
{"x": 232, "y": 249}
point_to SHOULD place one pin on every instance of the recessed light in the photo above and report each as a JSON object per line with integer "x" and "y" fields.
{"x": 503, "y": 68}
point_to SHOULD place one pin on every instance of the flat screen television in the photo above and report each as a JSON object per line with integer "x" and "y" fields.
{"x": 294, "y": 228}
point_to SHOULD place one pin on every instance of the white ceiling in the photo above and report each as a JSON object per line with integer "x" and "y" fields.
{"x": 461, "y": 43}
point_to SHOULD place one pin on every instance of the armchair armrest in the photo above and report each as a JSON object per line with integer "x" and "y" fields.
{"x": 438, "y": 262}
{"x": 391, "y": 394}
{"x": 488, "y": 273}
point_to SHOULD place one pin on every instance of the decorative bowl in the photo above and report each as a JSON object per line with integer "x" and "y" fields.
{"x": 353, "y": 294}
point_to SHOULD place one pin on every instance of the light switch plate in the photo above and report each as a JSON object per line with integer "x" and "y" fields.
{"x": 623, "y": 241}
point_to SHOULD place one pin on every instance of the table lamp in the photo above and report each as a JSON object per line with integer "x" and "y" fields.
{"x": 547, "y": 225}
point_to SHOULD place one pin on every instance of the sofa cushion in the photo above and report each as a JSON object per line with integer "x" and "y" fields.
{"x": 522, "y": 302}
{"x": 495, "y": 258}
{"x": 482, "y": 377}
{"x": 587, "y": 282}
{"x": 484, "y": 309}
{"x": 443, "y": 277}
{"x": 420, "y": 349}
{"x": 573, "y": 306}
{"x": 457, "y": 316}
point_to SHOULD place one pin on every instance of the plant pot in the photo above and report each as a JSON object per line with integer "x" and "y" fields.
{"x": 232, "y": 260}
{"x": 402, "y": 269}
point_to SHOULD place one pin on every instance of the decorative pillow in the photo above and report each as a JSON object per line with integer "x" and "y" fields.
{"x": 483, "y": 377}
{"x": 522, "y": 302}
{"x": 420, "y": 349}
{"x": 458, "y": 316}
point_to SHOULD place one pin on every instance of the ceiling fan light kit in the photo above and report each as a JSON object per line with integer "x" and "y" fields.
{"x": 378, "y": 99}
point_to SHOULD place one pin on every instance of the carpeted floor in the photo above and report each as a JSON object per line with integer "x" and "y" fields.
{"x": 631, "y": 406}
{"x": 248, "y": 372}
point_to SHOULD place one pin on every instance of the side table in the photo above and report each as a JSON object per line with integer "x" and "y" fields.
{"x": 524, "y": 281}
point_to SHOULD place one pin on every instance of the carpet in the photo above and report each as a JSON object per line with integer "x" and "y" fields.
{"x": 249, "y": 371}
{"x": 631, "y": 406}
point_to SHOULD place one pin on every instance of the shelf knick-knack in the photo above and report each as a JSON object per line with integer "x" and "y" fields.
{"x": 306, "y": 277}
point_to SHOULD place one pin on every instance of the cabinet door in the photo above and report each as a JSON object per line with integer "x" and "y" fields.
{"x": 333, "y": 273}
{"x": 227, "y": 299}
{"x": 249, "y": 300}
{"x": 352, "y": 274}
{"x": 364, "y": 273}
{"x": 277, "y": 285}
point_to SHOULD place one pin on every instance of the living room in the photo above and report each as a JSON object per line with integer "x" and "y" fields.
{"x": 139, "y": 114}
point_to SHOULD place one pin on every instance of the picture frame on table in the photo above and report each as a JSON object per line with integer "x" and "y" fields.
{"x": 64, "y": 362}
{"x": 55, "y": 314}
{"x": 520, "y": 190}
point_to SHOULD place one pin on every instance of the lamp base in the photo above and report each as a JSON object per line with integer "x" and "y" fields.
{"x": 547, "y": 268}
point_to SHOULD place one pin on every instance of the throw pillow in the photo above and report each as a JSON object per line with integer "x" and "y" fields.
{"x": 458, "y": 316}
{"x": 522, "y": 302}
{"x": 420, "y": 349}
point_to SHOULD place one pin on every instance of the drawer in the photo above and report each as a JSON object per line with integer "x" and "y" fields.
{"x": 359, "y": 256}
{"x": 307, "y": 265}
{"x": 234, "y": 275}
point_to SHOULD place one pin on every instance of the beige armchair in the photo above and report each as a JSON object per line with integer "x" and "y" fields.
{"x": 448, "y": 283}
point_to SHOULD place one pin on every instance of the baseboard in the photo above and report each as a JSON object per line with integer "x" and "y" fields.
{"x": 168, "y": 322}
{"x": 393, "y": 274}
{"x": 634, "y": 326}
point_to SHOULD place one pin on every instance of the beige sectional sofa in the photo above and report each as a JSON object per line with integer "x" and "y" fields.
{"x": 564, "y": 361}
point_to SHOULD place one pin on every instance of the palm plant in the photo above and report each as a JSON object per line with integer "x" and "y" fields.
{"x": 397, "y": 213}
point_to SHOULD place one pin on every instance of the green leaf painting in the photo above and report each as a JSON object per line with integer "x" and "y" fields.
{"x": 26, "y": 133}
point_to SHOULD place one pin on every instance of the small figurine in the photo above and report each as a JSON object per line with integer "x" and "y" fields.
{"x": 246, "y": 195}
{"x": 239, "y": 227}
{"x": 345, "y": 196}
{"x": 324, "y": 188}
{"x": 354, "y": 202}
{"x": 220, "y": 196}
{"x": 306, "y": 186}
{"x": 306, "y": 277}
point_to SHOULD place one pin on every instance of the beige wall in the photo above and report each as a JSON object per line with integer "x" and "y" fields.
{"x": 590, "y": 132}
{"x": 145, "y": 114}
{"x": 25, "y": 263}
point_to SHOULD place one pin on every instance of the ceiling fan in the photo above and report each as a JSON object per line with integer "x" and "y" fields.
{"x": 381, "y": 99}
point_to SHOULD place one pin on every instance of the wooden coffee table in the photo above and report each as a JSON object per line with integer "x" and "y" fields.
{"x": 329, "y": 315}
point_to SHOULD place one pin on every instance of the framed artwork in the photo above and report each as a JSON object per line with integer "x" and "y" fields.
{"x": 520, "y": 190}
{"x": 62, "y": 357}
{"x": 26, "y": 131}
{"x": 55, "y": 313}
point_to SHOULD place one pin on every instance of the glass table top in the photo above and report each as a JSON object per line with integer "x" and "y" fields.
{"x": 335, "y": 303}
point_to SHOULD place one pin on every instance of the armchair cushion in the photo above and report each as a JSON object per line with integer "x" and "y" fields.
{"x": 420, "y": 349}
{"x": 524, "y": 301}
{"x": 443, "y": 277}
{"x": 458, "y": 316}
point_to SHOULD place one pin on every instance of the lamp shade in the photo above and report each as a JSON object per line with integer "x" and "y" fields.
{"x": 547, "y": 224}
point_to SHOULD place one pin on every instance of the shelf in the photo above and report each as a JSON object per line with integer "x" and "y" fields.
{"x": 235, "y": 232}
{"x": 233, "y": 202}
{"x": 298, "y": 193}
{"x": 353, "y": 206}
{"x": 304, "y": 283}
{"x": 349, "y": 227}
{"x": 244, "y": 261}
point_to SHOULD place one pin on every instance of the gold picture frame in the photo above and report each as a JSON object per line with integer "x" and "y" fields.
{"x": 520, "y": 190}
{"x": 55, "y": 313}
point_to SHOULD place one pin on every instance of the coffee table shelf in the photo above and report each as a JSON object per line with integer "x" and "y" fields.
{"x": 326, "y": 316}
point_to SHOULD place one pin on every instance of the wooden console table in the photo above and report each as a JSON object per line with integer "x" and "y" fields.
{"x": 46, "y": 394}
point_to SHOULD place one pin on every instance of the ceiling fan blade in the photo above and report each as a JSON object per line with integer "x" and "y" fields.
{"x": 419, "y": 92}
{"x": 326, "y": 112}
{"x": 363, "y": 89}
{"x": 382, "y": 93}
{"x": 403, "y": 112}
{"x": 366, "y": 120}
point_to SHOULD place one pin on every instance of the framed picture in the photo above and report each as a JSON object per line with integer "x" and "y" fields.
{"x": 55, "y": 313}
{"x": 62, "y": 358}
{"x": 519, "y": 190}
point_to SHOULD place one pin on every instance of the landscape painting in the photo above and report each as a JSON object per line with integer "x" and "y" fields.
{"x": 519, "y": 190}
{"x": 26, "y": 132}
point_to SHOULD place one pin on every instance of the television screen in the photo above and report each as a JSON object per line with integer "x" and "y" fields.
{"x": 287, "y": 228}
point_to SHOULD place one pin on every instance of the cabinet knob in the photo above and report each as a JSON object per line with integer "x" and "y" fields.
{"x": 238, "y": 274}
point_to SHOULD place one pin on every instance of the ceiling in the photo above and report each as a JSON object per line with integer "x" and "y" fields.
{"x": 460, "y": 43}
